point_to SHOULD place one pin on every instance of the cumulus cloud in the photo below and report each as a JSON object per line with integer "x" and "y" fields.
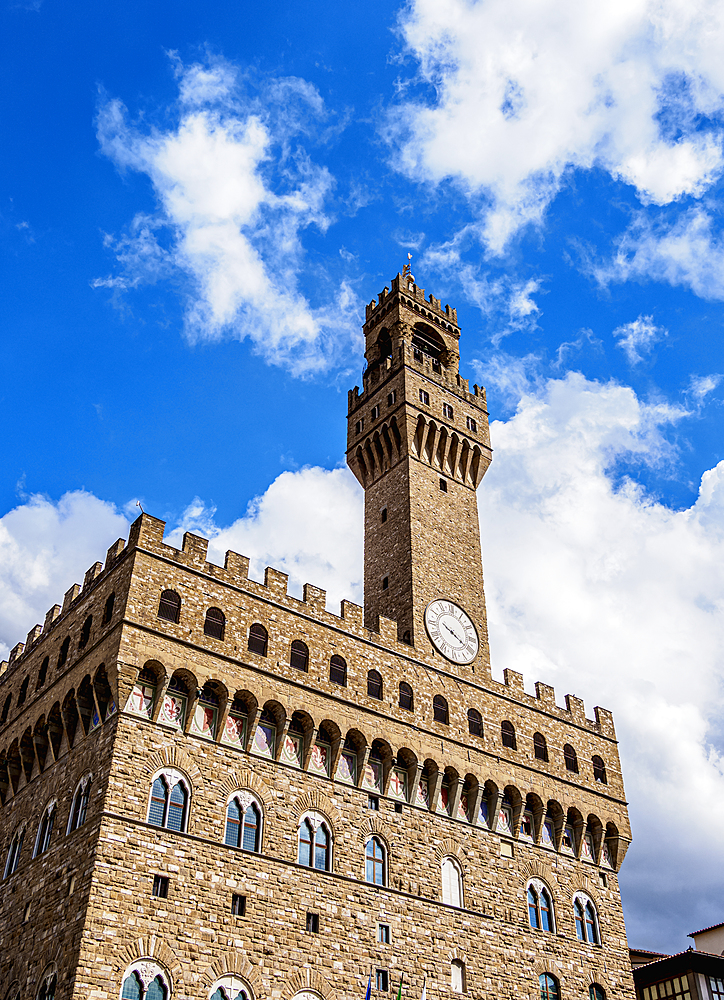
{"x": 235, "y": 191}
{"x": 307, "y": 524}
{"x": 701, "y": 385}
{"x": 525, "y": 92}
{"x": 592, "y": 586}
{"x": 688, "y": 251}
{"x": 45, "y": 547}
{"x": 638, "y": 338}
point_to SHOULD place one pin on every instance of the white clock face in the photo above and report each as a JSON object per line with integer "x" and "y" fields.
{"x": 451, "y": 631}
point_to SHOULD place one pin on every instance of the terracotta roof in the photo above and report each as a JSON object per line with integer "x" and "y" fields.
{"x": 712, "y": 928}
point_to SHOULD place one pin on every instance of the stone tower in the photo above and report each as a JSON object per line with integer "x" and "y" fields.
{"x": 211, "y": 789}
{"x": 418, "y": 442}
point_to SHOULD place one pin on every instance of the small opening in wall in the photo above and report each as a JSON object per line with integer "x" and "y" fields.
{"x": 26, "y": 913}
{"x": 160, "y": 886}
{"x": 382, "y": 980}
{"x": 383, "y": 515}
{"x": 391, "y": 397}
{"x": 373, "y": 802}
{"x": 407, "y": 637}
{"x": 443, "y": 484}
{"x": 385, "y": 582}
{"x": 375, "y": 412}
{"x": 506, "y": 849}
{"x": 313, "y": 923}
{"x": 238, "y": 905}
{"x": 71, "y": 885}
{"x": 398, "y": 807}
{"x": 383, "y": 933}
{"x": 602, "y": 879}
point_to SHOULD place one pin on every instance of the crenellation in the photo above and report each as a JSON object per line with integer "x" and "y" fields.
{"x": 51, "y": 616}
{"x": 514, "y": 681}
{"x": 92, "y": 574}
{"x": 353, "y": 614}
{"x": 276, "y": 582}
{"x": 70, "y": 596}
{"x": 314, "y": 597}
{"x": 577, "y": 710}
{"x": 195, "y": 548}
{"x": 114, "y": 552}
{"x": 33, "y": 635}
{"x": 546, "y": 695}
{"x": 16, "y": 652}
{"x": 236, "y": 567}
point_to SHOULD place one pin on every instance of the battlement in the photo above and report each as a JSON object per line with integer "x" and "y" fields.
{"x": 147, "y": 534}
{"x": 404, "y": 285}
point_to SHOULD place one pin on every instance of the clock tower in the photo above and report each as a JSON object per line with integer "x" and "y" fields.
{"x": 418, "y": 442}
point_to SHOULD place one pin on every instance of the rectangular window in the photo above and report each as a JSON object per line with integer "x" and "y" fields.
{"x": 443, "y": 484}
{"x": 382, "y": 980}
{"x": 375, "y": 412}
{"x": 424, "y": 397}
{"x": 359, "y": 426}
{"x": 238, "y": 905}
{"x": 385, "y": 582}
{"x": 417, "y": 354}
{"x": 313, "y": 923}
{"x": 447, "y": 411}
{"x": 398, "y": 807}
{"x": 160, "y": 886}
{"x": 373, "y": 802}
{"x": 383, "y": 933}
{"x": 677, "y": 988}
{"x": 392, "y": 397}
{"x": 602, "y": 879}
{"x": 716, "y": 985}
{"x": 472, "y": 424}
{"x": 383, "y": 515}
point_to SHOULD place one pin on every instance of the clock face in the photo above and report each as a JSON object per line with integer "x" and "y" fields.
{"x": 451, "y": 631}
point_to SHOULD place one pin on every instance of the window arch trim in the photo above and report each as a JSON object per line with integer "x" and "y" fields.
{"x": 376, "y": 861}
{"x": 246, "y": 800}
{"x": 147, "y": 970}
{"x": 585, "y": 910}
{"x": 233, "y": 986}
{"x": 315, "y": 822}
{"x": 79, "y": 803}
{"x": 45, "y": 828}
{"x": 545, "y": 918}
{"x": 172, "y": 778}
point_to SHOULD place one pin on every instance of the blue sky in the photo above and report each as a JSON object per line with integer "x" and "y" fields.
{"x": 195, "y": 205}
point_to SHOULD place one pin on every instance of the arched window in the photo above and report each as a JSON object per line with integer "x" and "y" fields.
{"x": 540, "y": 747}
{"x": 132, "y": 988}
{"x": 374, "y": 684}
{"x": 6, "y": 709}
{"x": 85, "y": 632}
{"x": 79, "y": 805}
{"x": 549, "y": 988}
{"x": 42, "y": 673}
{"x": 145, "y": 980}
{"x": 596, "y": 992}
{"x": 168, "y": 804}
{"x": 406, "y": 696}
{"x": 48, "y": 987}
{"x": 42, "y": 841}
{"x": 258, "y": 639}
{"x": 338, "y": 671}
{"x": 315, "y": 841}
{"x": 108, "y": 609}
{"x": 13, "y": 858}
{"x": 457, "y": 976}
{"x": 440, "y": 710}
{"x": 64, "y": 650}
{"x": 23, "y": 693}
{"x": 586, "y": 919}
{"x": 375, "y": 862}
{"x": 475, "y": 722}
{"x": 540, "y": 908}
{"x": 599, "y": 769}
{"x": 169, "y": 607}
{"x": 299, "y": 655}
{"x": 452, "y": 882}
{"x": 243, "y": 823}
{"x": 215, "y": 623}
{"x": 569, "y": 755}
{"x": 507, "y": 735}
{"x": 230, "y": 987}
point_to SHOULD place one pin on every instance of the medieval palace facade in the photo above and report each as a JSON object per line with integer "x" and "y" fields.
{"x": 211, "y": 790}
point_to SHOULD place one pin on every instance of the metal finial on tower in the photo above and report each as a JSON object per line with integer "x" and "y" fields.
{"x": 406, "y": 270}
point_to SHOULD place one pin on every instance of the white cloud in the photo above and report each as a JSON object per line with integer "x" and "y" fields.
{"x": 233, "y": 200}
{"x": 45, "y": 547}
{"x": 307, "y": 524}
{"x": 686, "y": 252}
{"x": 612, "y": 596}
{"x": 525, "y": 92}
{"x": 592, "y": 586}
{"x": 638, "y": 337}
{"x": 701, "y": 385}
